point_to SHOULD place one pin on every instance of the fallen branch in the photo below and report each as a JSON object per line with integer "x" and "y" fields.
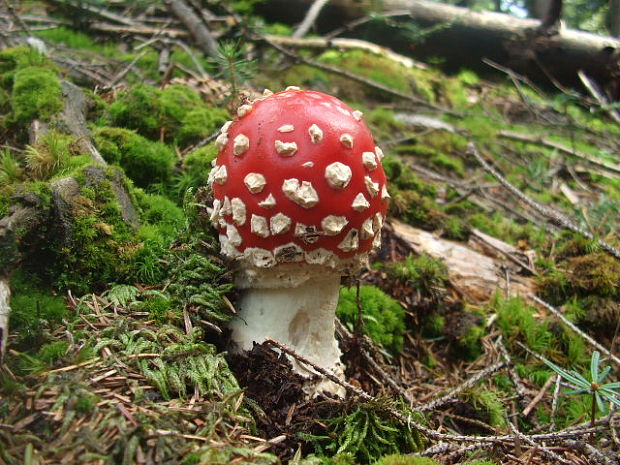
{"x": 313, "y": 13}
{"x": 602, "y": 100}
{"x": 548, "y": 452}
{"x": 344, "y": 44}
{"x": 199, "y": 31}
{"x": 433, "y": 405}
{"x": 357, "y": 78}
{"x": 552, "y": 215}
{"x": 539, "y": 395}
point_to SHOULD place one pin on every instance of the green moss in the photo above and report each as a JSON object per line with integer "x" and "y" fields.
{"x": 160, "y": 309}
{"x": 52, "y": 352}
{"x": 161, "y": 212}
{"x": 32, "y": 302}
{"x": 196, "y": 169}
{"x": 516, "y": 320}
{"x": 366, "y": 433}
{"x": 36, "y": 94}
{"x": 177, "y": 113}
{"x": 470, "y": 342}
{"x": 596, "y": 273}
{"x": 384, "y": 71}
{"x": 138, "y": 109}
{"x": 145, "y": 162}
{"x": 6, "y": 192}
{"x": 15, "y": 58}
{"x": 468, "y": 77}
{"x": 425, "y": 275}
{"x": 86, "y": 404}
{"x": 383, "y": 317}
{"x": 199, "y": 123}
{"x": 488, "y": 405}
{"x": 433, "y": 325}
{"x": 77, "y": 40}
{"x": 508, "y": 230}
{"x": 50, "y": 155}
{"x": 398, "y": 459}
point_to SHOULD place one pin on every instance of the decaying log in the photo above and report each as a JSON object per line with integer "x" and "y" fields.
{"x": 464, "y": 37}
{"x": 477, "y": 275}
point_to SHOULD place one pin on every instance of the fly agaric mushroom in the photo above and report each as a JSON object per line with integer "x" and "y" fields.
{"x": 299, "y": 200}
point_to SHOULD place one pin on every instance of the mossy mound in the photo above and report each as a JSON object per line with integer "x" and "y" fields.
{"x": 383, "y": 317}
{"x": 145, "y": 162}
{"x": 175, "y": 114}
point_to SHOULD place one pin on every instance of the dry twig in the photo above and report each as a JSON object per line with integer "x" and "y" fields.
{"x": 552, "y": 215}
{"x": 572, "y": 326}
{"x": 311, "y": 16}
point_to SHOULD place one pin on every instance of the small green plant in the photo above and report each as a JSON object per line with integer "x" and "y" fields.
{"x": 233, "y": 66}
{"x": 366, "y": 433}
{"x": 594, "y": 387}
{"x": 426, "y": 275}
{"x": 50, "y": 155}
{"x": 10, "y": 171}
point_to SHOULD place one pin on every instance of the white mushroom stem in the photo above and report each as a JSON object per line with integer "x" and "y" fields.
{"x": 294, "y": 304}
{"x": 5, "y": 310}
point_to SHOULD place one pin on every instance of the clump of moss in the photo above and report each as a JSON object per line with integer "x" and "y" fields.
{"x": 383, "y": 317}
{"x": 516, "y": 319}
{"x": 195, "y": 172}
{"x": 15, "y": 58}
{"x": 10, "y": 168}
{"x": 384, "y": 71}
{"x": 366, "y": 433}
{"x": 101, "y": 246}
{"x": 36, "y": 94}
{"x": 175, "y": 113}
{"x": 426, "y": 275}
{"x": 33, "y": 303}
{"x": 145, "y": 162}
{"x": 596, "y": 273}
{"x": 49, "y": 155}
{"x": 398, "y": 459}
{"x": 487, "y": 404}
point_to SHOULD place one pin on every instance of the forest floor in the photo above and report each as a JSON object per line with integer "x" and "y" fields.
{"x": 484, "y": 330}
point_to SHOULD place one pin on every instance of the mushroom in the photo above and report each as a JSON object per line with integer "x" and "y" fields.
{"x": 297, "y": 203}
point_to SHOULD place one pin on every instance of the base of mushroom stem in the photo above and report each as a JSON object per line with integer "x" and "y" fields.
{"x": 316, "y": 386}
{"x": 296, "y": 306}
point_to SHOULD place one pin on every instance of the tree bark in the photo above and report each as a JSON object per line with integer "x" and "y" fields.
{"x": 464, "y": 37}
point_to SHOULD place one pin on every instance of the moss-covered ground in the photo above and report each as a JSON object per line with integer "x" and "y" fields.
{"x": 117, "y": 346}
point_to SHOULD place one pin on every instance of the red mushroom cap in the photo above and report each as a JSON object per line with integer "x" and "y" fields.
{"x": 298, "y": 178}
